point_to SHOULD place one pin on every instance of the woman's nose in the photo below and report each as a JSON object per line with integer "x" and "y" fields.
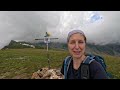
{"x": 76, "y": 45}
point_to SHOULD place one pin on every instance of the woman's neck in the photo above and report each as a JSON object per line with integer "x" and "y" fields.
{"x": 77, "y": 62}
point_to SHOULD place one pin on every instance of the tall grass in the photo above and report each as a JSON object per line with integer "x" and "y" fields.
{"x": 21, "y": 63}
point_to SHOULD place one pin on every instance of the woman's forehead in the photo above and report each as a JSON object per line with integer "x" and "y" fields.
{"x": 77, "y": 35}
{"x": 72, "y": 33}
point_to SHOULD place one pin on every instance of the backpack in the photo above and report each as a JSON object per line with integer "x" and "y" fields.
{"x": 85, "y": 68}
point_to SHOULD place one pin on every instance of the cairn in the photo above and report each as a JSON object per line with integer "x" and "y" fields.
{"x": 45, "y": 73}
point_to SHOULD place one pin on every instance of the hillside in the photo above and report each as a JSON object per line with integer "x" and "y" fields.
{"x": 23, "y": 58}
{"x": 22, "y": 63}
{"x": 15, "y": 45}
{"x": 108, "y": 49}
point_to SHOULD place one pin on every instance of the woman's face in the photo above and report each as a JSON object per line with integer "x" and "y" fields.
{"x": 76, "y": 45}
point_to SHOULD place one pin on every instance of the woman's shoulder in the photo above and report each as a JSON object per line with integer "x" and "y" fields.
{"x": 95, "y": 65}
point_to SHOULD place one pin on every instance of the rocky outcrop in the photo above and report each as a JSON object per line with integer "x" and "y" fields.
{"x": 45, "y": 73}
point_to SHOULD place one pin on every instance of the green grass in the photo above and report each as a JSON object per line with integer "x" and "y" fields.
{"x": 21, "y": 63}
{"x": 113, "y": 65}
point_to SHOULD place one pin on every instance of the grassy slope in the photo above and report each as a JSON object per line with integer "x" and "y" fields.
{"x": 15, "y": 63}
{"x": 113, "y": 65}
{"x": 21, "y": 63}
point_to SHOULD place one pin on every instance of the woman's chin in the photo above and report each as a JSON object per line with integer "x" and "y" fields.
{"x": 77, "y": 56}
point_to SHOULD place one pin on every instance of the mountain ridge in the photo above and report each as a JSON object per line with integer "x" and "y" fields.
{"x": 110, "y": 49}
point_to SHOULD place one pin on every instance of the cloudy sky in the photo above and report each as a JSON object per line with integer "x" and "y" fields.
{"x": 100, "y": 27}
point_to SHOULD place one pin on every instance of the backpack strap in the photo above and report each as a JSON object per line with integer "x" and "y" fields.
{"x": 89, "y": 59}
{"x": 102, "y": 62}
{"x": 66, "y": 65}
{"x": 68, "y": 59}
{"x": 85, "y": 69}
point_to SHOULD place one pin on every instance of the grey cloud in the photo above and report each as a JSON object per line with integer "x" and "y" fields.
{"x": 28, "y": 25}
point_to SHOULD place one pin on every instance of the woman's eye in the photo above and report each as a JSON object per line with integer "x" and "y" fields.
{"x": 72, "y": 42}
{"x": 80, "y": 42}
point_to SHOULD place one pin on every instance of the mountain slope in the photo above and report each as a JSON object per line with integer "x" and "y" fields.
{"x": 110, "y": 49}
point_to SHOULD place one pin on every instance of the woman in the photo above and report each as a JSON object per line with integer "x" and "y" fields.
{"x": 76, "y": 42}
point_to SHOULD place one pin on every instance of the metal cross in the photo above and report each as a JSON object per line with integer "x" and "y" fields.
{"x": 47, "y": 41}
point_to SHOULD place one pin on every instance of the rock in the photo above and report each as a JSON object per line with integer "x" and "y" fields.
{"x": 45, "y": 73}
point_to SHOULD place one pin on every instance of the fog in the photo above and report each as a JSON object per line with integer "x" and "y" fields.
{"x": 100, "y": 27}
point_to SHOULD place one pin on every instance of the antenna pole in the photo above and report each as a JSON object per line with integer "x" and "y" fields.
{"x": 48, "y": 56}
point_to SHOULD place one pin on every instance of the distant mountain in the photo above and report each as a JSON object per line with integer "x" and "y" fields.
{"x": 110, "y": 49}
{"x": 18, "y": 44}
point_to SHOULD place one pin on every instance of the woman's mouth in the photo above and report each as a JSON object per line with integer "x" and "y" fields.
{"x": 76, "y": 52}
